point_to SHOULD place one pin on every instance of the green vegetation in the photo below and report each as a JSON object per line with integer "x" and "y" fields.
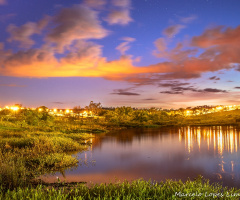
{"x": 34, "y": 143}
{"x": 218, "y": 118}
{"x": 128, "y": 117}
{"x": 139, "y": 189}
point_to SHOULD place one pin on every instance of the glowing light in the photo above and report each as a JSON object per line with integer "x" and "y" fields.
{"x": 180, "y": 136}
{"x": 54, "y": 110}
{"x": 199, "y": 138}
{"x": 220, "y": 143}
{"x": 67, "y": 111}
{"x": 14, "y": 108}
{"x": 232, "y": 163}
{"x": 231, "y": 142}
{"x": 189, "y": 138}
{"x": 40, "y": 109}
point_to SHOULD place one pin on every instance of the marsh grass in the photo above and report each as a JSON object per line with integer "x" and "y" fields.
{"x": 25, "y": 154}
{"x": 139, "y": 190}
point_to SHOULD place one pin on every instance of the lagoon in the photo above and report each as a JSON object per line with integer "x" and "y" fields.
{"x": 159, "y": 154}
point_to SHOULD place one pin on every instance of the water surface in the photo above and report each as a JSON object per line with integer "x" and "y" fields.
{"x": 161, "y": 153}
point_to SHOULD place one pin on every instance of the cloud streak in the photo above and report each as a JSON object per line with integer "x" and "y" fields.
{"x": 124, "y": 46}
{"x": 125, "y": 92}
{"x": 173, "y": 30}
{"x": 179, "y": 88}
{"x": 214, "y": 78}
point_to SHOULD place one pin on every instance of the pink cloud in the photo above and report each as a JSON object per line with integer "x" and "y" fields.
{"x": 83, "y": 54}
{"x": 121, "y": 3}
{"x": 121, "y": 17}
{"x": 121, "y": 14}
{"x": 173, "y": 30}
{"x": 23, "y": 33}
{"x": 95, "y": 3}
{"x": 2, "y": 2}
{"x": 74, "y": 23}
{"x": 161, "y": 45}
{"x": 189, "y": 19}
{"x": 124, "y": 46}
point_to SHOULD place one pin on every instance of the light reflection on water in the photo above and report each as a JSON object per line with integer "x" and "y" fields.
{"x": 161, "y": 153}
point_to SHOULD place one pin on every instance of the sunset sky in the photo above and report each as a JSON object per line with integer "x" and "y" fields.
{"x": 139, "y": 53}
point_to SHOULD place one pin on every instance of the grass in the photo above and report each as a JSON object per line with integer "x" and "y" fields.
{"x": 25, "y": 154}
{"x": 138, "y": 189}
{"x": 218, "y": 118}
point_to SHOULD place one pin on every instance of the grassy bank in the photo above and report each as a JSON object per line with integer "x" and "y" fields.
{"x": 26, "y": 154}
{"x": 128, "y": 117}
{"x": 139, "y": 189}
{"x": 219, "y": 118}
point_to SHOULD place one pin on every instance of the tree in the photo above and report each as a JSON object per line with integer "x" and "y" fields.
{"x": 94, "y": 108}
{"x": 77, "y": 110}
{"x": 140, "y": 116}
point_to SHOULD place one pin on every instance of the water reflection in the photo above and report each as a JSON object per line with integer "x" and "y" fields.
{"x": 222, "y": 139}
{"x": 159, "y": 154}
{"x": 222, "y": 142}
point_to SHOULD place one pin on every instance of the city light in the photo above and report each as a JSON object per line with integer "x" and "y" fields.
{"x": 14, "y": 108}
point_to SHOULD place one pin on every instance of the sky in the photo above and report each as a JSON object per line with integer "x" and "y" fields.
{"x": 139, "y": 53}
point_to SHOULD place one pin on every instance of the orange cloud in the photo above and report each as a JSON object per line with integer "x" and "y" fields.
{"x": 222, "y": 46}
{"x": 218, "y": 36}
{"x": 86, "y": 61}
